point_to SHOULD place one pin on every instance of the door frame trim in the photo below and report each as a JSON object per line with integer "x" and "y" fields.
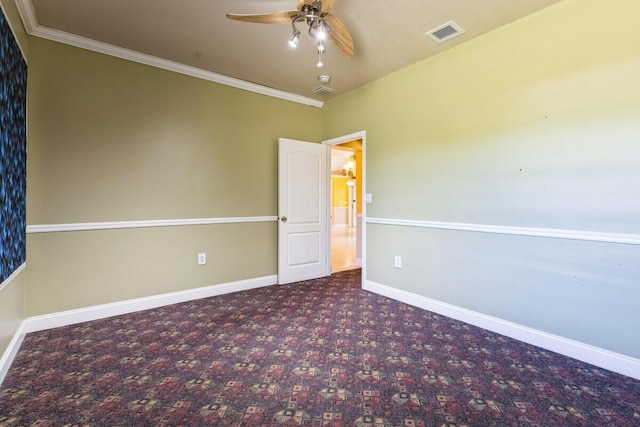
{"x": 361, "y": 135}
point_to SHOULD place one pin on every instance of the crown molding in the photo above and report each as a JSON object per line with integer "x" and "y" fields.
{"x": 33, "y": 28}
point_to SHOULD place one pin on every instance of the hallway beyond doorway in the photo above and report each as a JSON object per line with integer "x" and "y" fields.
{"x": 343, "y": 248}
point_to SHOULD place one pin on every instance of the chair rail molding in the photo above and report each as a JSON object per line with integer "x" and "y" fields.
{"x": 592, "y": 236}
{"x": 90, "y": 226}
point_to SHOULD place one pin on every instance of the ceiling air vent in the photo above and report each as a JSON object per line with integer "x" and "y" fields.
{"x": 322, "y": 90}
{"x": 445, "y": 32}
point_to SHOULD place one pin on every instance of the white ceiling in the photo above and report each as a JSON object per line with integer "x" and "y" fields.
{"x": 194, "y": 35}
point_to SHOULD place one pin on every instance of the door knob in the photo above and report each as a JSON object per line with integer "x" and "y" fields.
{"x": 283, "y": 218}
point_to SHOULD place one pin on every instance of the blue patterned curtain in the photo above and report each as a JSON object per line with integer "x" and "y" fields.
{"x": 13, "y": 152}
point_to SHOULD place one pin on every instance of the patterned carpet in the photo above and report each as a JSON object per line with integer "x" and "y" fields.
{"x": 316, "y": 353}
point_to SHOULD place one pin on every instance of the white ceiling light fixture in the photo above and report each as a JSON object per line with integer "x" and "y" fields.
{"x": 322, "y": 25}
{"x": 313, "y": 15}
{"x": 321, "y": 50}
{"x": 295, "y": 39}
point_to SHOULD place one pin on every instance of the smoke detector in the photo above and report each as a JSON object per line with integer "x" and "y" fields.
{"x": 324, "y": 79}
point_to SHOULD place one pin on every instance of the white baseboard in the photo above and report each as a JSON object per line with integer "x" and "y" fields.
{"x": 11, "y": 351}
{"x": 606, "y": 359}
{"x": 596, "y": 356}
{"x": 55, "y": 320}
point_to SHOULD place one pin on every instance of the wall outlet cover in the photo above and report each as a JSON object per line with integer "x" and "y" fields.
{"x": 202, "y": 258}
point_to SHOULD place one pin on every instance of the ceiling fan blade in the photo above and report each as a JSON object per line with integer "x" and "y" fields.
{"x": 283, "y": 17}
{"x": 303, "y": 2}
{"x": 327, "y": 5}
{"x": 340, "y": 36}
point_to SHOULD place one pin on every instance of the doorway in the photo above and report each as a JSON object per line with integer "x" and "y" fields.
{"x": 346, "y": 202}
{"x": 312, "y": 181}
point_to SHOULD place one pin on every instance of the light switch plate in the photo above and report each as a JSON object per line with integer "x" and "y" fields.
{"x": 397, "y": 262}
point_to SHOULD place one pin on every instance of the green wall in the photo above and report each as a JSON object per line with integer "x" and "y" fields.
{"x": 535, "y": 125}
{"x": 112, "y": 140}
{"x": 12, "y": 311}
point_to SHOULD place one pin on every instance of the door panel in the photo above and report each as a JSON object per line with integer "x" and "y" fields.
{"x": 303, "y": 179}
{"x": 307, "y": 245}
{"x": 302, "y": 198}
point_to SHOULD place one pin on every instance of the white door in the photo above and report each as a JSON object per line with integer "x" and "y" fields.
{"x": 302, "y": 211}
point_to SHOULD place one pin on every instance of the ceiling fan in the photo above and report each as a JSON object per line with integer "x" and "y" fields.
{"x": 318, "y": 17}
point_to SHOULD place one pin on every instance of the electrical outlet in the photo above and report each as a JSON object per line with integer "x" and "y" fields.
{"x": 397, "y": 262}
{"x": 202, "y": 258}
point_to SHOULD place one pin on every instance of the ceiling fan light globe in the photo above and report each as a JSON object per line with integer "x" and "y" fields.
{"x": 293, "y": 41}
{"x": 318, "y": 29}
